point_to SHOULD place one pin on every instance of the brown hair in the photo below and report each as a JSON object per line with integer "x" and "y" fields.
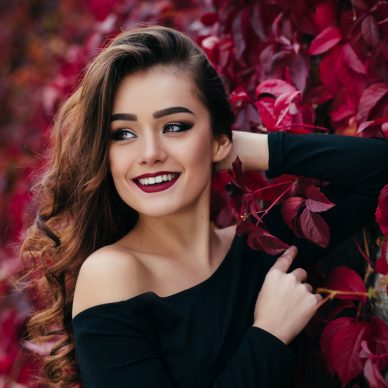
{"x": 78, "y": 208}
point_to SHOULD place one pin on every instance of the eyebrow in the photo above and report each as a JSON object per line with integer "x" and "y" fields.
{"x": 157, "y": 114}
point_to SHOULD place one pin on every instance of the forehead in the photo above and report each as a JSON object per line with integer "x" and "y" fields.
{"x": 156, "y": 88}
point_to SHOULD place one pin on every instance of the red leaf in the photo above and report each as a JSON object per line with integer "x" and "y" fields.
{"x": 373, "y": 128}
{"x": 210, "y": 18}
{"x": 382, "y": 210}
{"x": 351, "y": 59}
{"x": 286, "y": 103}
{"x": 341, "y": 346}
{"x": 324, "y": 15}
{"x": 299, "y": 69}
{"x": 238, "y": 37}
{"x": 323, "y": 42}
{"x": 101, "y": 8}
{"x": 265, "y": 106}
{"x": 239, "y": 97}
{"x": 327, "y": 70}
{"x": 382, "y": 262}
{"x": 314, "y": 228}
{"x": 369, "y": 99}
{"x": 317, "y": 201}
{"x": 345, "y": 279}
{"x": 370, "y": 31}
{"x": 238, "y": 177}
{"x": 275, "y": 87}
{"x": 290, "y": 209}
{"x": 261, "y": 239}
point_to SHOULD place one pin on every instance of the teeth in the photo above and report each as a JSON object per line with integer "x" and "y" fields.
{"x": 157, "y": 179}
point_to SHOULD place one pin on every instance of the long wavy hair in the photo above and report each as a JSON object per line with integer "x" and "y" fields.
{"x": 76, "y": 208}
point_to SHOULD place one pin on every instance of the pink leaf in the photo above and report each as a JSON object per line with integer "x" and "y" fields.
{"x": 373, "y": 128}
{"x": 345, "y": 279}
{"x": 317, "y": 201}
{"x": 285, "y": 103}
{"x": 275, "y": 87}
{"x": 323, "y": 42}
{"x": 369, "y": 99}
{"x": 351, "y": 59}
{"x": 314, "y": 228}
{"x": 373, "y": 375}
{"x": 265, "y": 106}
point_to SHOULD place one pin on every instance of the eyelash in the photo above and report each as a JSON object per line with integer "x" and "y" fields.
{"x": 117, "y": 135}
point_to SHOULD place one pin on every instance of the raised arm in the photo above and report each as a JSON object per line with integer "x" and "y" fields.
{"x": 357, "y": 169}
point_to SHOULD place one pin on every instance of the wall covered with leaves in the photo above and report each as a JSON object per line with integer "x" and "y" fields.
{"x": 302, "y": 66}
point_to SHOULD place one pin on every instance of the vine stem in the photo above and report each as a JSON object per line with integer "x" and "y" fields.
{"x": 369, "y": 269}
{"x": 276, "y": 200}
{"x": 362, "y": 253}
{"x": 333, "y": 293}
{"x": 274, "y": 185}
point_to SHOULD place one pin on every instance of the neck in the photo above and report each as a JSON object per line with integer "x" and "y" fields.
{"x": 186, "y": 236}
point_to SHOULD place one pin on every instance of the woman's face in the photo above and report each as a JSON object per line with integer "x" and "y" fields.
{"x": 161, "y": 148}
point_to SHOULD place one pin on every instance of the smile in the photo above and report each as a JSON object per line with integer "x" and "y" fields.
{"x": 151, "y": 183}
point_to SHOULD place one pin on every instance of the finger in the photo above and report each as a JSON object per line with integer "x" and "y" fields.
{"x": 284, "y": 261}
{"x": 300, "y": 274}
{"x": 308, "y": 286}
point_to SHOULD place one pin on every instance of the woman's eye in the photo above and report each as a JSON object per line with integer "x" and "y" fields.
{"x": 176, "y": 127}
{"x": 122, "y": 134}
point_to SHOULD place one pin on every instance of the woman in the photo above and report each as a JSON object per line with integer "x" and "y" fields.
{"x": 147, "y": 292}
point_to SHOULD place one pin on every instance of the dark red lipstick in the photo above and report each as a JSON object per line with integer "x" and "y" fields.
{"x": 155, "y": 187}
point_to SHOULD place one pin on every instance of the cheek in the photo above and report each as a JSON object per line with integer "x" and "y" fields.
{"x": 117, "y": 163}
{"x": 198, "y": 156}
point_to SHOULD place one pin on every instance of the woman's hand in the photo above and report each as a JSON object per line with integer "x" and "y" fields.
{"x": 251, "y": 148}
{"x": 285, "y": 304}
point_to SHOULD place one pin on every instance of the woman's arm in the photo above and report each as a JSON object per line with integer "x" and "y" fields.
{"x": 251, "y": 148}
{"x": 357, "y": 169}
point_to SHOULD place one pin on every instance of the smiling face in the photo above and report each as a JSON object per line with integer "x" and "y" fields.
{"x": 162, "y": 148}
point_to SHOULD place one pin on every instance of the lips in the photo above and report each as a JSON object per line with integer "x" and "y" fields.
{"x": 154, "y": 182}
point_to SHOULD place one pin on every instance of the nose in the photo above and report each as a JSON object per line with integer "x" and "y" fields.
{"x": 152, "y": 149}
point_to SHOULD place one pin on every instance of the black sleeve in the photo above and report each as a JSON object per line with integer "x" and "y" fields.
{"x": 262, "y": 360}
{"x": 357, "y": 169}
{"x": 126, "y": 357}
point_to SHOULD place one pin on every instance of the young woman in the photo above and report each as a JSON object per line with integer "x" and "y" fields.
{"x": 145, "y": 290}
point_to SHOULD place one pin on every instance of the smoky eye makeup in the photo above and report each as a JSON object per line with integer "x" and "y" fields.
{"x": 171, "y": 127}
{"x": 176, "y": 127}
{"x": 121, "y": 134}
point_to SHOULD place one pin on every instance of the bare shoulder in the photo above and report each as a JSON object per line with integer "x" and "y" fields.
{"x": 110, "y": 274}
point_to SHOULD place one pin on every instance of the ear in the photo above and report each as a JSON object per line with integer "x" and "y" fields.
{"x": 221, "y": 148}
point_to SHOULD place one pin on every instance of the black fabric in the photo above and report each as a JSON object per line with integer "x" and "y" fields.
{"x": 203, "y": 336}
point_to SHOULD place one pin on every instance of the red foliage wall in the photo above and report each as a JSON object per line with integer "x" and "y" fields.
{"x": 300, "y": 66}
